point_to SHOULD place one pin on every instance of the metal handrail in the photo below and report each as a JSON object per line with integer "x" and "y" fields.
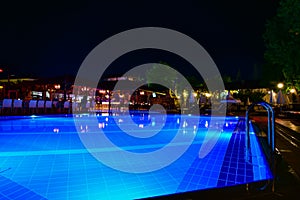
{"x": 271, "y": 133}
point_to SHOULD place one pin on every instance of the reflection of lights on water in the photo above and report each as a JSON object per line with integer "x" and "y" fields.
{"x": 153, "y": 123}
{"x": 206, "y": 124}
{"x": 120, "y": 120}
{"x": 141, "y": 125}
{"x": 106, "y": 119}
{"x": 185, "y": 124}
{"x": 56, "y": 130}
{"x": 84, "y": 129}
{"x": 101, "y": 125}
{"x": 178, "y": 121}
{"x": 226, "y": 124}
{"x": 195, "y": 127}
{"x": 33, "y": 116}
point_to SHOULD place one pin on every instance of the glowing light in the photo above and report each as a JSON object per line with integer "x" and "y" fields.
{"x": 280, "y": 85}
{"x": 56, "y": 130}
{"x": 141, "y": 125}
{"x": 57, "y": 86}
{"x": 206, "y": 124}
{"x": 101, "y": 125}
{"x": 293, "y": 90}
{"x": 185, "y": 124}
{"x": 207, "y": 95}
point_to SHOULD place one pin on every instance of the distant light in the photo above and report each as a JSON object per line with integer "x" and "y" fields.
{"x": 1, "y": 70}
{"x": 207, "y": 95}
{"x": 280, "y": 85}
{"x": 57, "y": 86}
{"x": 1, "y": 87}
{"x": 293, "y": 90}
{"x": 142, "y": 92}
{"x": 153, "y": 94}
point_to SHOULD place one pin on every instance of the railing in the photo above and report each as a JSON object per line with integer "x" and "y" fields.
{"x": 270, "y": 136}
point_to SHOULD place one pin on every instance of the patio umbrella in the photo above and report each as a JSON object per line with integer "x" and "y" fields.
{"x": 271, "y": 100}
{"x": 192, "y": 97}
{"x": 280, "y": 98}
{"x": 248, "y": 102}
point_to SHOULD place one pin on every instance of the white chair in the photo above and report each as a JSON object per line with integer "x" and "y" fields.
{"x": 88, "y": 106}
{"x": 17, "y": 105}
{"x": 48, "y": 106}
{"x": 7, "y": 105}
{"x": 75, "y": 106}
{"x": 67, "y": 106}
{"x": 32, "y": 105}
{"x": 41, "y": 105}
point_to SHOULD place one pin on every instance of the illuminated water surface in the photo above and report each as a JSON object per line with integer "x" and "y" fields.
{"x": 43, "y": 157}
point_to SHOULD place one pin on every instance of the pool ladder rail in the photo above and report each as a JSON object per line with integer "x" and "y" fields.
{"x": 270, "y": 139}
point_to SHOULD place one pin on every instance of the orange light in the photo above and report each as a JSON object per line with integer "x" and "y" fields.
{"x": 293, "y": 90}
{"x": 1, "y": 70}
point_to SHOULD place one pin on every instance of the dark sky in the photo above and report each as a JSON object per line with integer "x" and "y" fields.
{"x": 52, "y": 39}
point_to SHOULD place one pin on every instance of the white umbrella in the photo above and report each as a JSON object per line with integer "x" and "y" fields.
{"x": 192, "y": 97}
{"x": 280, "y": 98}
{"x": 271, "y": 100}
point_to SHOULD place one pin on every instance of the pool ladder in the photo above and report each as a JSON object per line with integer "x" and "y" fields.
{"x": 270, "y": 137}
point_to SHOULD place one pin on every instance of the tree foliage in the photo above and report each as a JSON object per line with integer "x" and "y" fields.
{"x": 282, "y": 40}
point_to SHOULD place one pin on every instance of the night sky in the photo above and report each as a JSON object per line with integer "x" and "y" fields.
{"x": 41, "y": 39}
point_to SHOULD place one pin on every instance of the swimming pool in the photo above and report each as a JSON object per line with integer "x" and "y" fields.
{"x": 44, "y": 157}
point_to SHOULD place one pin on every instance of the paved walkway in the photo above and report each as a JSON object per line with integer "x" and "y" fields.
{"x": 289, "y": 124}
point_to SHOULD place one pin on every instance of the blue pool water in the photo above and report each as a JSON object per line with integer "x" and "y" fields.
{"x": 44, "y": 157}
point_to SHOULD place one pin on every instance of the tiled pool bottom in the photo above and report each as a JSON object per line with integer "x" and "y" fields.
{"x": 44, "y": 158}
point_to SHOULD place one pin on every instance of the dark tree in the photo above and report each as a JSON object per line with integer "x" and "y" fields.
{"x": 282, "y": 41}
